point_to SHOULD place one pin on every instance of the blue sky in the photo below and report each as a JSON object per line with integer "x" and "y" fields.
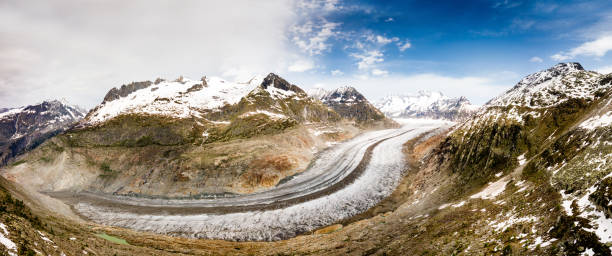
{"x": 79, "y": 50}
{"x": 500, "y": 41}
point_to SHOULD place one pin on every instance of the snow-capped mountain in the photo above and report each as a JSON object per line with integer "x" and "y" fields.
{"x": 208, "y": 99}
{"x": 180, "y": 98}
{"x": 344, "y": 94}
{"x": 24, "y": 128}
{"x": 425, "y": 104}
{"x": 349, "y": 103}
{"x": 567, "y": 85}
{"x": 551, "y": 87}
{"x": 190, "y": 137}
{"x": 555, "y": 125}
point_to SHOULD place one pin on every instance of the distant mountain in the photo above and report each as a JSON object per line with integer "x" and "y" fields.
{"x": 24, "y": 128}
{"x": 350, "y": 104}
{"x": 424, "y": 104}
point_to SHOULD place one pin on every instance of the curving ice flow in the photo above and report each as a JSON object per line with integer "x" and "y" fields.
{"x": 327, "y": 192}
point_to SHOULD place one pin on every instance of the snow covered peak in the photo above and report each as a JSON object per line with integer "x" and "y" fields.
{"x": 567, "y": 67}
{"x": 395, "y": 105}
{"x": 47, "y": 107}
{"x": 25, "y": 127}
{"x": 317, "y": 93}
{"x": 550, "y": 87}
{"x": 426, "y": 104}
{"x": 180, "y": 98}
{"x": 344, "y": 94}
{"x": 273, "y": 80}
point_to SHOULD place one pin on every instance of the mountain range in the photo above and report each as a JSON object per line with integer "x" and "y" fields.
{"x": 192, "y": 138}
{"x": 527, "y": 173}
{"x": 425, "y": 104}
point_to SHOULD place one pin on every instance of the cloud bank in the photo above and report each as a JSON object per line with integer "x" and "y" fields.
{"x": 81, "y": 49}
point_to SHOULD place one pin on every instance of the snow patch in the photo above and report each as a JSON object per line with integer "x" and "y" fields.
{"x": 492, "y": 190}
{"x": 45, "y": 238}
{"x": 268, "y": 113}
{"x": 597, "y": 121}
{"x": 8, "y": 243}
{"x": 602, "y": 226}
{"x": 521, "y": 159}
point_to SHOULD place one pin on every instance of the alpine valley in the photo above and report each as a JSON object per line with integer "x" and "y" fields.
{"x": 213, "y": 167}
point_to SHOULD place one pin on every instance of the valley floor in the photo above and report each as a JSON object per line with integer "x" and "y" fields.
{"x": 343, "y": 181}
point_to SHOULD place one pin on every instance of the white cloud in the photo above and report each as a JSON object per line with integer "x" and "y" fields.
{"x": 403, "y": 46}
{"x": 536, "y": 59}
{"x": 368, "y": 59}
{"x": 83, "y": 53}
{"x": 507, "y": 4}
{"x": 301, "y": 66}
{"x": 312, "y": 38}
{"x": 596, "y": 48}
{"x": 560, "y": 57}
{"x": 389, "y": 19}
{"x": 336, "y": 72}
{"x": 384, "y": 40}
{"x": 379, "y": 72}
{"x": 605, "y": 70}
{"x": 318, "y": 5}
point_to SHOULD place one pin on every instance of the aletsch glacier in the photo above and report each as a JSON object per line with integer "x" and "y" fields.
{"x": 380, "y": 178}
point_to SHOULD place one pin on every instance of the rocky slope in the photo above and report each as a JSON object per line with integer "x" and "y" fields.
{"x": 549, "y": 132}
{"x": 430, "y": 105}
{"x": 350, "y": 104}
{"x": 187, "y": 138}
{"x": 22, "y": 129}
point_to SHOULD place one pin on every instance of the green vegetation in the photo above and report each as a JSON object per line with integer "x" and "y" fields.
{"x": 45, "y": 159}
{"x": 107, "y": 172}
{"x": 16, "y": 163}
{"x": 112, "y": 239}
{"x": 133, "y": 131}
{"x": 492, "y": 145}
{"x": 10, "y": 205}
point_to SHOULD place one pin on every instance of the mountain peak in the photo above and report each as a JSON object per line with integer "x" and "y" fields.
{"x": 567, "y": 66}
{"x": 349, "y": 103}
{"x": 342, "y": 94}
{"x": 346, "y": 88}
{"x": 278, "y": 82}
{"x": 550, "y": 87}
